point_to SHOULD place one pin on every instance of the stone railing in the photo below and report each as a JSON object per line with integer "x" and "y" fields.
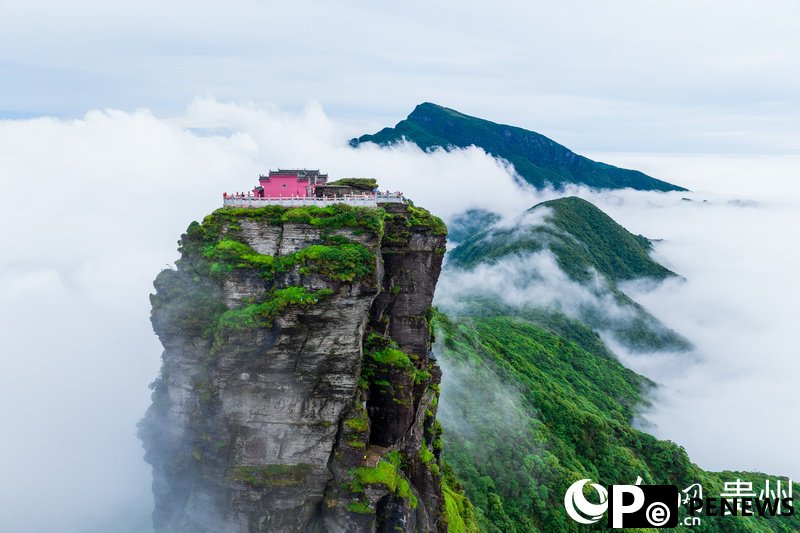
{"x": 367, "y": 200}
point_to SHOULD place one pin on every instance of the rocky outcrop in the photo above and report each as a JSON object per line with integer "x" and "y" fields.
{"x": 297, "y": 390}
{"x": 346, "y": 187}
{"x": 329, "y": 191}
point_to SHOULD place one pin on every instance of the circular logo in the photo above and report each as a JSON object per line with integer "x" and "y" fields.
{"x": 578, "y": 507}
{"x": 657, "y": 514}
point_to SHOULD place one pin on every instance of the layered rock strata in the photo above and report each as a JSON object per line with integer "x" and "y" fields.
{"x": 297, "y": 391}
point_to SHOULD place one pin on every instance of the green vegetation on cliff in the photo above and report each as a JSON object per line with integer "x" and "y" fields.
{"x": 332, "y": 216}
{"x": 344, "y": 261}
{"x": 366, "y": 184}
{"x": 387, "y": 474}
{"x": 381, "y": 355}
{"x": 260, "y": 315}
{"x": 215, "y": 246}
{"x": 184, "y": 304}
{"x": 422, "y": 218}
{"x": 539, "y": 160}
{"x": 461, "y": 516}
{"x": 189, "y": 300}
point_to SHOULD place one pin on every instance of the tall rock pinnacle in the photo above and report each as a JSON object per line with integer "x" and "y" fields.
{"x": 297, "y": 392}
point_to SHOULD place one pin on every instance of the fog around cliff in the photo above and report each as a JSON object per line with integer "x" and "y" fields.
{"x": 476, "y": 396}
{"x": 736, "y": 246}
{"x": 94, "y": 207}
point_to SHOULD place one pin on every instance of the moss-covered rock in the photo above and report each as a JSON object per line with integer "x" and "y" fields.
{"x": 270, "y": 389}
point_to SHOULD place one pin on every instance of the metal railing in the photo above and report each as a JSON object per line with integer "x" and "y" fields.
{"x": 367, "y": 200}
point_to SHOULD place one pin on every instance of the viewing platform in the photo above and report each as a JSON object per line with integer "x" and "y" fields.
{"x": 364, "y": 200}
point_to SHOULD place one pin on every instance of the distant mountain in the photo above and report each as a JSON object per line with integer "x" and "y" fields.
{"x": 538, "y": 160}
{"x": 593, "y": 251}
{"x": 581, "y": 236}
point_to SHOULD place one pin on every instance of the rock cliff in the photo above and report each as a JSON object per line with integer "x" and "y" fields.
{"x": 298, "y": 391}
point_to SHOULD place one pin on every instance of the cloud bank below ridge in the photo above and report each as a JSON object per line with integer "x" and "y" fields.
{"x": 95, "y": 205}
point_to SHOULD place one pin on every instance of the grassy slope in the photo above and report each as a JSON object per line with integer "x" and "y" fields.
{"x": 537, "y": 159}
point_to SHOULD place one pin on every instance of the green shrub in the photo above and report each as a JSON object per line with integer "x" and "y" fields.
{"x": 425, "y": 454}
{"x": 360, "y": 507}
{"x": 185, "y": 305}
{"x": 460, "y": 513}
{"x": 345, "y": 262}
{"x": 261, "y": 314}
{"x": 359, "y": 424}
{"x": 367, "y": 184}
{"x": 423, "y": 218}
{"x": 392, "y": 357}
{"x": 386, "y": 474}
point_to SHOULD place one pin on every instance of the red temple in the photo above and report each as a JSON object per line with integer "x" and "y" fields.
{"x": 289, "y": 183}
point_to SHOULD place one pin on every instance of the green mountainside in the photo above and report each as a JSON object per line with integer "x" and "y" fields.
{"x": 594, "y": 251}
{"x": 538, "y": 160}
{"x": 527, "y": 412}
{"x": 533, "y": 400}
{"x": 582, "y": 237}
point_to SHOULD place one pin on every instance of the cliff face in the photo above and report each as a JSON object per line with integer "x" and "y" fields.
{"x": 297, "y": 392}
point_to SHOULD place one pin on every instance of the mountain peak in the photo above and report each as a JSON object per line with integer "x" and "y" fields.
{"x": 430, "y": 107}
{"x": 582, "y": 236}
{"x": 538, "y": 160}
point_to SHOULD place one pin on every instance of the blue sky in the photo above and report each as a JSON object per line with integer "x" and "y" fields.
{"x": 617, "y": 75}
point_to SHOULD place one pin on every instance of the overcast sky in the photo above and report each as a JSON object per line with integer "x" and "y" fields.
{"x": 613, "y": 75}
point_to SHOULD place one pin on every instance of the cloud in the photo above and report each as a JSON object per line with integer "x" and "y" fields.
{"x": 475, "y": 398}
{"x": 481, "y": 412}
{"x": 93, "y": 209}
{"x": 735, "y": 243}
{"x": 532, "y": 280}
{"x": 444, "y": 181}
{"x": 729, "y": 400}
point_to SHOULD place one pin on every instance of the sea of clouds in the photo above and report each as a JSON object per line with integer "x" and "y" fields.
{"x": 94, "y": 206}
